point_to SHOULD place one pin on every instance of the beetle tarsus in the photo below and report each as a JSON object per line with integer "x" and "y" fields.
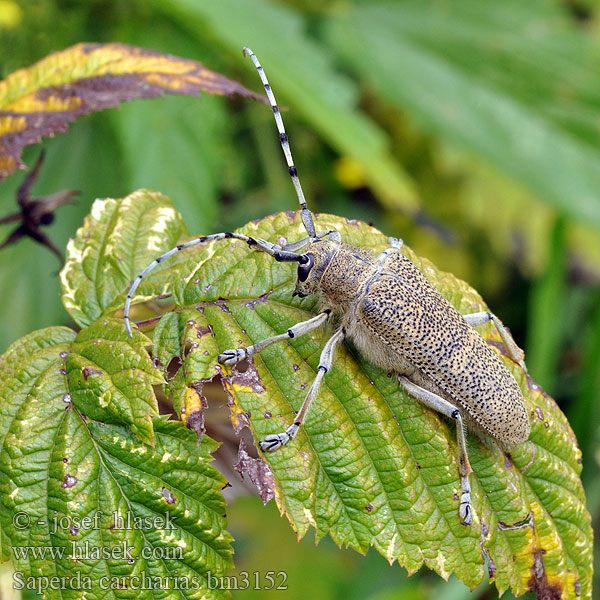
{"x": 275, "y": 441}
{"x": 233, "y": 356}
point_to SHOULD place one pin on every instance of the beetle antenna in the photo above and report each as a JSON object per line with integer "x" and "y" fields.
{"x": 306, "y": 215}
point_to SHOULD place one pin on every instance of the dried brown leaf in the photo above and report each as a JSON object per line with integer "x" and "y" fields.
{"x": 41, "y": 100}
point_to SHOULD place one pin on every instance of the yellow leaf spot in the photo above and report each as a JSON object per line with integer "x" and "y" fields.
{"x": 550, "y": 542}
{"x": 10, "y": 124}
{"x": 51, "y": 103}
{"x": 238, "y": 416}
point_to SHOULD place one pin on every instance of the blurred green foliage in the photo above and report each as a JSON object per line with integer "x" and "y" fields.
{"x": 470, "y": 129}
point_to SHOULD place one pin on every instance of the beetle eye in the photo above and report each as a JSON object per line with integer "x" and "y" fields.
{"x": 305, "y": 266}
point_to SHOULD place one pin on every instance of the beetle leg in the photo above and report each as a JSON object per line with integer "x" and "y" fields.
{"x": 395, "y": 245}
{"x": 514, "y": 352}
{"x": 274, "y": 441}
{"x": 235, "y": 355}
{"x": 438, "y": 404}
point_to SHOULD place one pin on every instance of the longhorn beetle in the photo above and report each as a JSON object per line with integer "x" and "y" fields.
{"x": 398, "y": 320}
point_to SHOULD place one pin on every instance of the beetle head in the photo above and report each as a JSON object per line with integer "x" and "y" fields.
{"x": 312, "y": 265}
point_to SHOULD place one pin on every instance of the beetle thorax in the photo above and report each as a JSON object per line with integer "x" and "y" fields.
{"x": 340, "y": 274}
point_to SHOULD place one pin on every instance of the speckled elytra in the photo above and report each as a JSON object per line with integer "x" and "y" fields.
{"x": 398, "y": 320}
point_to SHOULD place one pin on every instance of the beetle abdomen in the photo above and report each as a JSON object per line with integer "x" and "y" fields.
{"x": 404, "y": 312}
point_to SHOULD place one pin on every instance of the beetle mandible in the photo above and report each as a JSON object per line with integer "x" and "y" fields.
{"x": 398, "y": 320}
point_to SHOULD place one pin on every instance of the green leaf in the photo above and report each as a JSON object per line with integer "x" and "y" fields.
{"x": 371, "y": 466}
{"x": 70, "y": 484}
{"x": 510, "y": 84}
{"x": 111, "y": 377}
{"x": 116, "y": 242}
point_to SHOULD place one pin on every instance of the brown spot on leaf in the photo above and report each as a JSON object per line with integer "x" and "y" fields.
{"x": 491, "y": 565}
{"x": 220, "y": 302}
{"x": 201, "y": 331}
{"x": 248, "y": 378}
{"x": 538, "y": 582}
{"x": 258, "y": 470}
{"x": 254, "y": 301}
{"x": 195, "y": 405}
{"x": 89, "y": 371}
{"x": 292, "y": 214}
{"x": 69, "y": 481}
{"x": 526, "y": 522}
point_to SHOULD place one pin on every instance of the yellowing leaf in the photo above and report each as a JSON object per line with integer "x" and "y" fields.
{"x": 41, "y": 100}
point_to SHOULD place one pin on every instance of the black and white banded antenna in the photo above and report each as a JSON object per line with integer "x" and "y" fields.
{"x": 305, "y": 214}
{"x": 279, "y": 254}
{"x": 286, "y": 254}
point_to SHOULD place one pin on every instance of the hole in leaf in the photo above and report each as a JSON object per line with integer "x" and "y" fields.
{"x": 242, "y": 366}
{"x": 173, "y": 367}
